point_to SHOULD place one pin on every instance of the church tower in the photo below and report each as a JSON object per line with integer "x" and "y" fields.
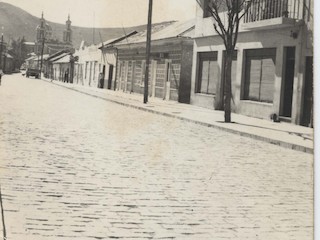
{"x": 67, "y": 33}
{"x": 41, "y": 29}
{"x": 44, "y": 30}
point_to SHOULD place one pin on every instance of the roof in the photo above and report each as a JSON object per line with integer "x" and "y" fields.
{"x": 8, "y": 55}
{"x": 168, "y": 30}
{"x": 29, "y": 43}
{"x": 54, "y": 55}
{"x": 177, "y": 29}
{"x": 110, "y": 42}
{"x": 65, "y": 59}
{"x": 31, "y": 58}
{"x": 58, "y": 57}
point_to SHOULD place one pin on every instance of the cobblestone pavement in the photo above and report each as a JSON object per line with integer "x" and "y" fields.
{"x": 78, "y": 167}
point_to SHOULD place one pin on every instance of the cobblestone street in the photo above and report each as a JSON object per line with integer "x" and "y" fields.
{"x": 78, "y": 167}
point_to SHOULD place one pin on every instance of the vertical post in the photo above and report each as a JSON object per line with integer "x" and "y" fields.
{"x": 2, "y": 218}
{"x": 146, "y": 75}
{"x": 1, "y": 49}
{"x": 42, "y": 47}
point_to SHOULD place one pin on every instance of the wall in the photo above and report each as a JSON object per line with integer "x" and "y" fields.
{"x": 109, "y": 58}
{"x": 265, "y": 38}
{"x": 170, "y": 70}
{"x": 186, "y": 72}
{"x": 90, "y": 63}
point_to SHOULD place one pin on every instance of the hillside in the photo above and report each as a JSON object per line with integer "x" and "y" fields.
{"x": 18, "y": 23}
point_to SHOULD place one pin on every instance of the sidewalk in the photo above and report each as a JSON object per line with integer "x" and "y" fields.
{"x": 283, "y": 134}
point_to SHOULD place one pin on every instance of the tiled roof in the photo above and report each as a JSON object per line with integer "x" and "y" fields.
{"x": 164, "y": 31}
{"x": 115, "y": 40}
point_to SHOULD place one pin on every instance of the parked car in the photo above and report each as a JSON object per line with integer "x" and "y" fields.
{"x": 33, "y": 72}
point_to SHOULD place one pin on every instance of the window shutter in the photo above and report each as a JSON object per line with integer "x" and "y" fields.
{"x": 204, "y": 76}
{"x": 267, "y": 79}
{"x": 213, "y": 77}
{"x": 254, "y": 78}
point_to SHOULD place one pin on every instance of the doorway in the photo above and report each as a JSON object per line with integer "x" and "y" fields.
{"x": 110, "y": 76}
{"x": 307, "y": 118}
{"x": 288, "y": 82}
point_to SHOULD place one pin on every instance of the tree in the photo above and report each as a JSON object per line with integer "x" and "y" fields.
{"x": 227, "y": 28}
{"x": 18, "y": 51}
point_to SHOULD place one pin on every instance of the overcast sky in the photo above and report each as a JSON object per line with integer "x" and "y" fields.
{"x": 107, "y": 13}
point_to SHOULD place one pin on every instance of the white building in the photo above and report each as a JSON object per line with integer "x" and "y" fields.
{"x": 272, "y": 70}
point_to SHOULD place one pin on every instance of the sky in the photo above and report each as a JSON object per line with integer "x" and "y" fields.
{"x": 107, "y": 13}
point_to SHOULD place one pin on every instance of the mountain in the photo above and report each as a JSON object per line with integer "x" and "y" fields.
{"x": 18, "y": 23}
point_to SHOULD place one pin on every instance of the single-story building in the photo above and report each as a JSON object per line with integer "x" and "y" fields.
{"x": 89, "y": 65}
{"x": 170, "y": 64}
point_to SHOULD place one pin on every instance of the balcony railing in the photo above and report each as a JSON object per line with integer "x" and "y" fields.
{"x": 268, "y": 9}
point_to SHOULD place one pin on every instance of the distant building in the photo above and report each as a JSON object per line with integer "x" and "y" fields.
{"x": 45, "y": 38}
{"x": 29, "y": 47}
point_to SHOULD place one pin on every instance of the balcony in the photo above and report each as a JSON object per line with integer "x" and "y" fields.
{"x": 273, "y": 14}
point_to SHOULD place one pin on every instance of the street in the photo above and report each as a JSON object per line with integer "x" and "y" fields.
{"x": 77, "y": 167}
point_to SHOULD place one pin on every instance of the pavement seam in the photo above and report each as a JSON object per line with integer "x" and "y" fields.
{"x": 280, "y": 143}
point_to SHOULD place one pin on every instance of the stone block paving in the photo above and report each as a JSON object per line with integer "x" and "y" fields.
{"x": 77, "y": 167}
{"x": 279, "y": 133}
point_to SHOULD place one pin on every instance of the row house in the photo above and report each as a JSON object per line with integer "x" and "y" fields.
{"x": 63, "y": 68}
{"x": 109, "y": 55}
{"x": 33, "y": 61}
{"x": 272, "y": 70}
{"x": 89, "y": 65}
{"x": 48, "y": 61}
{"x": 170, "y": 64}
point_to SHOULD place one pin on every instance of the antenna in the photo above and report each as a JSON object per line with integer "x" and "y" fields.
{"x": 93, "y": 30}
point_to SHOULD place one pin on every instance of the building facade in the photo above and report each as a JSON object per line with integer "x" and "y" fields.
{"x": 170, "y": 62}
{"x": 89, "y": 66}
{"x": 272, "y": 64}
{"x": 109, "y": 58}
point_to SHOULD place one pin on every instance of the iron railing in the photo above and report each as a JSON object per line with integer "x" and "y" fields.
{"x": 268, "y": 9}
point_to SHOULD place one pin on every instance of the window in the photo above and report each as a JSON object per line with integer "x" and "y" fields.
{"x": 260, "y": 74}
{"x": 208, "y": 73}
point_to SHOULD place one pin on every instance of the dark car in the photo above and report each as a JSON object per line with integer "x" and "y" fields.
{"x": 33, "y": 72}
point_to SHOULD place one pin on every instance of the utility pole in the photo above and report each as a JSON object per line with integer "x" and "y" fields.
{"x": 43, "y": 38}
{"x": 146, "y": 75}
{"x": 1, "y": 50}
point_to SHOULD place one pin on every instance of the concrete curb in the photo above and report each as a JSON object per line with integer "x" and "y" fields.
{"x": 280, "y": 143}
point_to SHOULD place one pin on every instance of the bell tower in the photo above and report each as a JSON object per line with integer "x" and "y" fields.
{"x": 67, "y": 33}
{"x": 41, "y": 29}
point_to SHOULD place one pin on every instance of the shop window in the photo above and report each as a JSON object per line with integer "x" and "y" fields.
{"x": 260, "y": 74}
{"x": 208, "y": 73}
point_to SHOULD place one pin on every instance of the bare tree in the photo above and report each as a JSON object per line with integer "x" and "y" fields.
{"x": 227, "y": 28}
